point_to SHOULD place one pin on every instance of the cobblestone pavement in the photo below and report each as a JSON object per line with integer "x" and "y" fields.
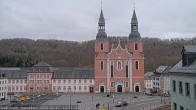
{"x": 89, "y": 101}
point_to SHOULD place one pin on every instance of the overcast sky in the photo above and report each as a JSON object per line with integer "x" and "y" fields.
{"x": 77, "y": 20}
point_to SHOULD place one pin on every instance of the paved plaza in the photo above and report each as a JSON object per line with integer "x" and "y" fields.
{"x": 89, "y": 101}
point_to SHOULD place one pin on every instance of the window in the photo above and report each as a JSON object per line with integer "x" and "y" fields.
{"x": 64, "y": 87}
{"x": 59, "y": 88}
{"x": 101, "y": 65}
{"x": 119, "y": 65}
{"x": 13, "y": 81}
{"x": 187, "y": 88}
{"x": 79, "y": 87}
{"x": 127, "y": 84}
{"x": 181, "y": 108}
{"x": 127, "y": 72}
{"x": 112, "y": 71}
{"x": 195, "y": 90}
{"x": 54, "y": 81}
{"x": 64, "y": 81}
{"x": 136, "y": 46}
{"x": 90, "y": 80}
{"x": 112, "y": 84}
{"x": 16, "y": 87}
{"x": 101, "y": 46}
{"x": 13, "y": 88}
{"x": 79, "y": 81}
{"x": 21, "y": 81}
{"x": 74, "y": 87}
{"x": 74, "y": 81}
{"x": 69, "y": 81}
{"x": 174, "y": 86}
{"x": 175, "y": 106}
{"x": 136, "y": 65}
{"x": 20, "y": 87}
{"x": 59, "y": 81}
{"x": 85, "y": 87}
{"x": 180, "y": 88}
{"x": 85, "y": 81}
{"x": 9, "y": 81}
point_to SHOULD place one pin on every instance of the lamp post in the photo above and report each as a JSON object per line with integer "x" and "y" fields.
{"x": 113, "y": 96}
{"x": 70, "y": 96}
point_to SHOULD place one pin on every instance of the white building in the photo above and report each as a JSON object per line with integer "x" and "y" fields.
{"x": 148, "y": 80}
{"x": 80, "y": 81}
{"x": 156, "y": 78}
{"x": 3, "y": 88}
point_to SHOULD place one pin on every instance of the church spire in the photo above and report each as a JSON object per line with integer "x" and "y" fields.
{"x": 101, "y": 35}
{"x": 134, "y": 35}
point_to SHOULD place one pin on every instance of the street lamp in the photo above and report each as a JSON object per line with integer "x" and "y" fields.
{"x": 69, "y": 89}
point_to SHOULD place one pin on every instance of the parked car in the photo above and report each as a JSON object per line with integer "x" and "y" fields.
{"x": 79, "y": 101}
{"x": 15, "y": 101}
{"x": 148, "y": 92}
{"x": 121, "y": 104}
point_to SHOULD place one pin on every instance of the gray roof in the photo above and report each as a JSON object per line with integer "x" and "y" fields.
{"x": 101, "y": 35}
{"x": 148, "y": 75}
{"x": 161, "y": 69}
{"x": 134, "y": 35}
{"x": 101, "y": 19}
{"x": 134, "y": 18}
{"x": 15, "y": 74}
{"x": 178, "y": 68}
{"x": 74, "y": 74}
{"x": 41, "y": 64}
{"x": 42, "y": 67}
{"x": 190, "y": 48}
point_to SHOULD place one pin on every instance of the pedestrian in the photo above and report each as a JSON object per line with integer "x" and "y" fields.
{"x": 103, "y": 105}
{"x": 96, "y": 105}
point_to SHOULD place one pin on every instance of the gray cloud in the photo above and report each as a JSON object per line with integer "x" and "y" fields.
{"x": 77, "y": 19}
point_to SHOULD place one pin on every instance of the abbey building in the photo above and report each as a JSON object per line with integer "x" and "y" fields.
{"x": 119, "y": 69}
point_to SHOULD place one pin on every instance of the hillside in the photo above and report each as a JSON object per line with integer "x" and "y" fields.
{"x": 26, "y": 52}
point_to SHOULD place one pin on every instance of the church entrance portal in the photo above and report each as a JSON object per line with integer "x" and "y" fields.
{"x": 119, "y": 88}
{"x": 137, "y": 89}
{"x": 101, "y": 89}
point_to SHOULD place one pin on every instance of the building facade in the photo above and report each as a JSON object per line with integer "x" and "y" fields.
{"x": 42, "y": 78}
{"x": 148, "y": 80}
{"x": 183, "y": 80}
{"x": 119, "y": 69}
{"x": 3, "y": 87}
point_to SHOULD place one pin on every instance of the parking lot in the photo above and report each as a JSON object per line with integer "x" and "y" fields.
{"x": 89, "y": 101}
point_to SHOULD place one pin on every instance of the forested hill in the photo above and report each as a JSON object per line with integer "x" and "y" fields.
{"x": 26, "y": 52}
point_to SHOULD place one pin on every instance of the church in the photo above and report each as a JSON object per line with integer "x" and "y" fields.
{"x": 119, "y": 69}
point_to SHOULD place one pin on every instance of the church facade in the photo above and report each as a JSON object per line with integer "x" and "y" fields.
{"x": 119, "y": 69}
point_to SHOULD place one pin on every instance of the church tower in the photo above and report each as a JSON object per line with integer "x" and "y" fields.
{"x": 135, "y": 47}
{"x": 101, "y": 50}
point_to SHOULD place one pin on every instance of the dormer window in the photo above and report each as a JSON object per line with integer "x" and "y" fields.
{"x": 101, "y": 46}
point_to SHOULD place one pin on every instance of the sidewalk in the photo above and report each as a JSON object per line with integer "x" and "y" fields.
{"x": 156, "y": 107}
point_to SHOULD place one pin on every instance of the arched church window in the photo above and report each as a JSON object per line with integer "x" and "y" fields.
{"x": 101, "y": 65}
{"x": 102, "y": 46}
{"x": 119, "y": 65}
{"x": 136, "y": 46}
{"x": 136, "y": 65}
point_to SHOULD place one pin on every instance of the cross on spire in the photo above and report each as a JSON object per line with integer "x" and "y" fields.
{"x": 101, "y": 4}
{"x": 134, "y": 4}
